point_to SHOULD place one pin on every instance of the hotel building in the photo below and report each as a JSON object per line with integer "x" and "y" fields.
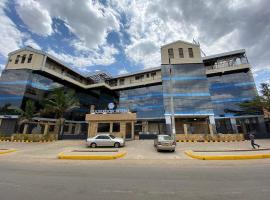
{"x": 187, "y": 93}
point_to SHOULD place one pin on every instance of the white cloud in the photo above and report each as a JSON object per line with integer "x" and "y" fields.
{"x": 35, "y": 17}
{"x": 2, "y": 67}
{"x": 11, "y": 37}
{"x": 122, "y": 71}
{"x": 222, "y": 44}
{"x": 90, "y": 21}
{"x": 149, "y": 27}
{"x": 32, "y": 43}
{"x": 218, "y": 25}
{"x": 104, "y": 56}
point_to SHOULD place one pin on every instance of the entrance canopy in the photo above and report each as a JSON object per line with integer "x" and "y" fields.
{"x": 117, "y": 124}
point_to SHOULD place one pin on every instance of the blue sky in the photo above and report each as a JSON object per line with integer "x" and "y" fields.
{"x": 126, "y": 35}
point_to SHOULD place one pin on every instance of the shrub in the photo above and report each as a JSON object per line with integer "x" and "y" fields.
{"x": 34, "y": 137}
{"x": 5, "y": 136}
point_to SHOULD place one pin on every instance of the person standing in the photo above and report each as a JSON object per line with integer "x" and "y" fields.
{"x": 252, "y": 140}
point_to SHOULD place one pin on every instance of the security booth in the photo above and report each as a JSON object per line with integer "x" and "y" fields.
{"x": 8, "y": 124}
{"x": 117, "y": 124}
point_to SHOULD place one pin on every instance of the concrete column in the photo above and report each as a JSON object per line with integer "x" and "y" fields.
{"x": 111, "y": 127}
{"x": 69, "y": 128}
{"x": 185, "y": 129}
{"x": 145, "y": 126}
{"x": 211, "y": 129}
{"x": 46, "y": 129}
{"x": 123, "y": 129}
{"x": 168, "y": 124}
{"x": 25, "y": 128}
{"x": 89, "y": 129}
{"x": 77, "y": 129}
{"x": 234, "y": 126}
{"x": 212, "y": 122}
{"x": 132, "y": 130}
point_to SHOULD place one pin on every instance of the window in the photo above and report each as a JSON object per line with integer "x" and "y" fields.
{"x": 181, "y": 53}
{"x": 103, "y": 127}
{"x": 138, "y": 77}
{"x": 190, "y": 52}
{"x": 30, "y": 58}
{"x": 114, "y": 82}
{"x": 102, "y": 137}
{"x": 147, "y": 75}
{"x": 17, "y": 59}
{"x": 153, "y": 74}
{"x": 170, "y": 53}
{"x": 116, "y": 127}
{"x": 23, "y": 58}
{"x": 112, "y": 136}
{"x": 122, "y": 81}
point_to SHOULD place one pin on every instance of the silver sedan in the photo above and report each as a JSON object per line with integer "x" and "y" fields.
{"x": 164, "y": 142}
{"x": 105, "y": 140}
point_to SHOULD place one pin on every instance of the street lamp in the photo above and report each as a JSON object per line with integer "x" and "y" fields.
{"x": 171, "y": 103}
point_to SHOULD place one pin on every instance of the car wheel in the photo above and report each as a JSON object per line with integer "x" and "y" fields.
{"x": 173, "y": 150}
{"x": 117, "y": 145}
{"x": 93, "y": 145}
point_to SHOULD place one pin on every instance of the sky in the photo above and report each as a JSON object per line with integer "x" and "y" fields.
{"x": 120, "y": 36}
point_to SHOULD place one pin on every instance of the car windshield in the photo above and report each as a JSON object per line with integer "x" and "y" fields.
{"x": 112, "y": 136}
{"x": 165, "y": 137}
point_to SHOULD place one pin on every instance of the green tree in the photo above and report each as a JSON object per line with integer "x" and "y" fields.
{"x": 259, "y": 103}
{"x": 8, "y": 109}
{"x": 58, "y": 102}
{"x": 26, "y": 114}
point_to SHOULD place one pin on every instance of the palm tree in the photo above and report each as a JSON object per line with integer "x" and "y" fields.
{"x": 27, "y": 114}
{"x": 259, "y": 103}
{"x": 59, "y": 102}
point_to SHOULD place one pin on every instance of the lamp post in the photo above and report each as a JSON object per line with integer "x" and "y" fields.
{"x": 171, "y": 103}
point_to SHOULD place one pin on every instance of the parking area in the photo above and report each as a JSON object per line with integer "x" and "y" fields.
{"x": 136, "y": 150}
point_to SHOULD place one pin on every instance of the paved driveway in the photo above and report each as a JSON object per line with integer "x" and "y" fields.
{"x": 136, "y": 150}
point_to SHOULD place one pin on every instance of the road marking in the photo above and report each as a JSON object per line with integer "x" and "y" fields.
{"x": 163, "y": 193}
{"x": 10, "y": 184}
{"x": 117, "y": 191}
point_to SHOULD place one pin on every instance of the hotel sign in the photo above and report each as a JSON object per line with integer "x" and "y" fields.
{"x": 111, "y": 111}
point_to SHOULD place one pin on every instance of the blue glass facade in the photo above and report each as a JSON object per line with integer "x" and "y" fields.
{"x": 13, "y": 84}
{"x": 189, "y": 89}
{"x": 147, "y": 102}
{"x": 17, "y": 86}
{"x": 228, "y": 90}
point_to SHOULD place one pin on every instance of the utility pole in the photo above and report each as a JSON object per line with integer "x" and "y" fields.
{"x": 172, "y": 103}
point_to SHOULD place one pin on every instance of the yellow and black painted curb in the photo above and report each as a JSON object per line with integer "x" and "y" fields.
{"x": 209, "y": 141}
{"x": 5, "y": 151}
{"x": 191, "y": 154}
{"x": 28, "y": 141}
{"x": 62, "y": 155}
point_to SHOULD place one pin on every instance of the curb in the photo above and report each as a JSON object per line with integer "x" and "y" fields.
{"x": 7, "y": 151}
{"x": 191, "y": 154}
{"x": 28, "y": 141}
{"x": 90, "y": 157}
{"x": 209, "y": 141}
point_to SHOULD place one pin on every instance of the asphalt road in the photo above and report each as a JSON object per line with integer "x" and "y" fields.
{"x": 72, "y": 180}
